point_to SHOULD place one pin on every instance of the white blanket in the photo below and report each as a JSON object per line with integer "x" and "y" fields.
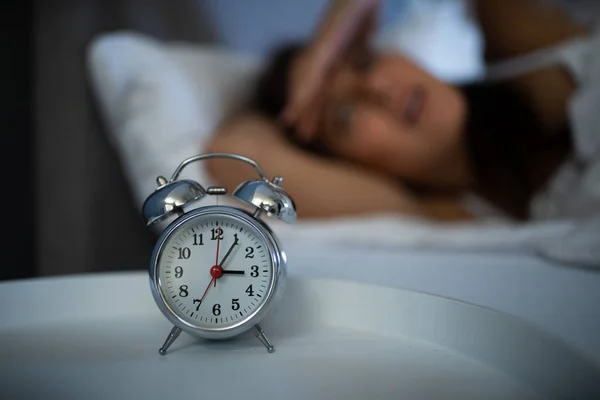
{"x": 161, "y": 100}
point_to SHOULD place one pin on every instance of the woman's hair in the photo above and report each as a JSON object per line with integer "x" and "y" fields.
{"x": 271, "y": 93}
{"x": 501, "y": 125}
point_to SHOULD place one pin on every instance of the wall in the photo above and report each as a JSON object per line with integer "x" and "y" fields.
{"x": 259, "y": 25}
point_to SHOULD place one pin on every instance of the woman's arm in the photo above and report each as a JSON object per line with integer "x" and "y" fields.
{"x": 347, "y": 24}
{"x": 320, "y": 187}
{"x": 515, "y": 27}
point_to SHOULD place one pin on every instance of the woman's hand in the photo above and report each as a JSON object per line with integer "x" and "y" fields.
{"x": 347, "y": 24}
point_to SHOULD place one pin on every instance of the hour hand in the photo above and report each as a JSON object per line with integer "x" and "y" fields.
{"x": 233, "y": 272}
{"x": 228, "y": 253}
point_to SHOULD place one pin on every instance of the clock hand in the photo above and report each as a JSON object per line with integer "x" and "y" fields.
{"x": 217, "y": 256}
{"x": 216, "y": 271}
{"x": 208, "y": 287}
{"x": 231, "y": 272}
{"x": 228, "y": 253}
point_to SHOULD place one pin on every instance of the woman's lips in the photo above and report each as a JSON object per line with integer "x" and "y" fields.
{"x": 413, "y": 105}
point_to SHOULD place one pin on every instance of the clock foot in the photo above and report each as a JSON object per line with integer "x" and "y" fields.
{"x": 260, "y": 334}
{"x": 173, "y": 335}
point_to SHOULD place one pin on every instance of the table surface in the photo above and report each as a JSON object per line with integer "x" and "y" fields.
{"x": 563, "y": 300}
{"x": 431, "y": 347}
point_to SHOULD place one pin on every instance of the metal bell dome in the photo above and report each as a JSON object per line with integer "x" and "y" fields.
{"x": 269, "y": 197}
{"x": 170, "y": 198}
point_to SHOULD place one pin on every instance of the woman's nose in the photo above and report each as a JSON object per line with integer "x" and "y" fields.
{"x": 378, "y": 95}
{"x": 377, "y": 87}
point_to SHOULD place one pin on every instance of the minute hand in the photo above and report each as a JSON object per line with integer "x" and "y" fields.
{"x": 227, "y": 254}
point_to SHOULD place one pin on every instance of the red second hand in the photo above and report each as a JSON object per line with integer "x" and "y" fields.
{"x": 206, "y": 291}
{"x": 218, "y": 243}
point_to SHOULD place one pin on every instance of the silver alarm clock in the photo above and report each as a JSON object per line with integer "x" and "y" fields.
{"x": 217, "y": 270}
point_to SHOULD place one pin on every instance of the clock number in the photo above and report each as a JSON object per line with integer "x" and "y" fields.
{"x": 235, "y": 305}
{"x": 198, "y": 240}
{"x": 249, "y": 252}
{"x": 199, "y": 304}
{"x": 216, "y": 310}
{"x": 183, "y": 291}
{"x": 178, "y": 272}
{"x": 250, "y": 291}
{"x": 184, "y": 253}
{"x": 216, "y": 232}
{"x": 236, "y": 241}
{"x": 254, "y": 272}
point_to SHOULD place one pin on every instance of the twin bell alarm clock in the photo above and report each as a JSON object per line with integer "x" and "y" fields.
{"x": 217, "y": 270}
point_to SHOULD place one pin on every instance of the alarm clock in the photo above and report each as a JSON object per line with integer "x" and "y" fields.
{"x": 217, "y": 270}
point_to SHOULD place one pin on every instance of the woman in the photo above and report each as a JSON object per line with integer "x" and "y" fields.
{"x": 376, "y": 133}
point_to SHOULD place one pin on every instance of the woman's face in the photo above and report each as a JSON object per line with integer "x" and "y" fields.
{"x": 387, "y": 113}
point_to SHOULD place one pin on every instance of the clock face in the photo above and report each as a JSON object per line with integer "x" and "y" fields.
{"x": 215, "y": 271}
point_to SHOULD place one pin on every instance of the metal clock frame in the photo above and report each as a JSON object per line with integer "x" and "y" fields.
{"x": 266, "y": 196}
{"x": 278, "y": 260}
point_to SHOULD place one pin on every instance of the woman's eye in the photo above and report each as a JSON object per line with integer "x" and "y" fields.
{"x": 363, "y": 62}
{"x": 342, "y": 118}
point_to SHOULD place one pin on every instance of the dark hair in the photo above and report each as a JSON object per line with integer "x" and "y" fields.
{"x": 270, "y": 94}
{"x": 500, "y": 125}
{"x": 271, "y": 89}
{"x": 500, "y": 128}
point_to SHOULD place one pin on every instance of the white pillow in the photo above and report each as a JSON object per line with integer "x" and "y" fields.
{"x": 161, "y": 102}
{"x": 440, "y": 36}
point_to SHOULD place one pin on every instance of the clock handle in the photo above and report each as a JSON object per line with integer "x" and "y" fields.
{"x": 262, "y": 193}
{"x": 230, "y": 156}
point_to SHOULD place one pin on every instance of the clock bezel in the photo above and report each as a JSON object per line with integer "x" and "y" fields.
{"x": 276, "y": 255}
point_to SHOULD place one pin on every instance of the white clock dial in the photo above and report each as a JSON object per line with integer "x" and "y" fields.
{"x": 215, "y": 271}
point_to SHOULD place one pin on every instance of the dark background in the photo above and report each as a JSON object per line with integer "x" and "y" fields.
{"x": 16, "y": 20}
